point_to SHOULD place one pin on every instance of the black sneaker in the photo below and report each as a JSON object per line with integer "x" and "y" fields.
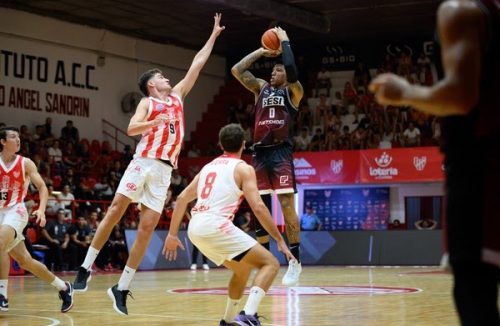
{"x": 4, "y": 303}
{"x": 119, "y": 298}
{"x": 82, "y": 277}
{"x": 67, "y": 297}
{"x": 244, "y": 319}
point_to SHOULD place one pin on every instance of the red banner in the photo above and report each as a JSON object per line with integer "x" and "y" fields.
{"x": 417, "y": 164}
{"x": 420, "y": 164}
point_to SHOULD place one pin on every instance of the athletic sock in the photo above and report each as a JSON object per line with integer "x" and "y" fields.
{"x": 126, "y": 278}
{"x": 90, "y": 258}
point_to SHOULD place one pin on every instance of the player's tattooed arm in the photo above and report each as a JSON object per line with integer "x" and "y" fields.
{"x": 245, "y": 77}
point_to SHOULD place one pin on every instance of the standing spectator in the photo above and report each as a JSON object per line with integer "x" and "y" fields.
{"x": 309, "y": 221}
{"x": 323, "y": 82}
{"x": 411, "y": 135}
{"x": 55, "y": 235}
{"x": 70, "y": 134}
{"x": 47, "y": 129}
{"x": 79, "y": 234}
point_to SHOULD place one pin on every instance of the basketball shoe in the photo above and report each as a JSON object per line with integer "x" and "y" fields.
{"x": 4, "y": 303}
{"x": 292, "y": 275}
{"x": 67, "y": 297}
{"x": 223, "y": 323}
{"x": 82, "y": 277}
{"x": 119, "y": 298}
{"x": 242, "y": 319}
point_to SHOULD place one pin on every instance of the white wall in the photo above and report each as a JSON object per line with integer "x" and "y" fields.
{"x": 125, "y": 59}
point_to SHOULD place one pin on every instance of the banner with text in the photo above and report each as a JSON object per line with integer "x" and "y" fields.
{"x": 423, "y": 164}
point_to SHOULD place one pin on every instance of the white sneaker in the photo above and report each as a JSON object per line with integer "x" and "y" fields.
{"x": 193, "y": 267}
{"x": 291, "y": 277}
{"x": 206, "y": 267}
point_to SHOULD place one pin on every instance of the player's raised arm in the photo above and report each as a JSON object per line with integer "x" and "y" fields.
{"x": 185, "y": 85}
{"x": 292, "y": 75}
{"x": 244, "y": 76}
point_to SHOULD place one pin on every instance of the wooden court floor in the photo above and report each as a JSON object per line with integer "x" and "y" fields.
{"x": 325, "y": 296}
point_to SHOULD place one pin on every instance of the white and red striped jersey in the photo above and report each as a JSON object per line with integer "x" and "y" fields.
{"x": 218, "y": 193}
{"x": 13, "y": 182}
{"x": 165, "y": 140}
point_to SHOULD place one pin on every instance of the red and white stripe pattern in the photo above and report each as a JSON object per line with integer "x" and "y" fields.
{"x": 13, "y": 183}
{"x": 165, "y": 140}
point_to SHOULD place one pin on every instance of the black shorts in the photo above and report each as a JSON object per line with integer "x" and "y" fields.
{"x": 274, "y": 168}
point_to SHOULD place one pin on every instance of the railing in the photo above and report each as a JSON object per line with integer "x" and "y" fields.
{"x": 119, "y": 136}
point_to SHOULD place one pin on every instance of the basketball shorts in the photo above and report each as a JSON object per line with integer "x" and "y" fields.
{"x": 274, "y": 169}
{"x": 218, "y": 238}
{"x": 17, "y": 218}
{"x": 146, "y": 181}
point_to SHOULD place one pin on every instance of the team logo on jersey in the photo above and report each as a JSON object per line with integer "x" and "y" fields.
{"x": 273, "y": 101}
{"x": 419, "y": 162}
{"x": 131, "y": 186}
{"x": 283, "y": 179}
{"x": 16, "y": 174}
{"x": 336, "y": 166}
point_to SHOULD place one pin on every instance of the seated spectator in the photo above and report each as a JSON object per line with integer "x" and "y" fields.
{"x": 358, "y": 138}
{"x": 66, "y": 199}
{"x": 55, "y": 153}
{"x": 344, "y": 140}
{"x": 323, "y": 83}
{"x": 116, "y": 172}
{"x": 52, "y": 203}
{"x": 395, "y": 225}
{"x": 302, "y": 141}
{"x": 350, "y": 95}
{"x": 304, "y": 117}
{"x": 55, "y": 236}
{"x": 338, "y": 107}
{"x": 85, "y": 159}
{"x": 309, "y": 221}
{"x": 103, "y": 189}
{"x": 118, "y": 248}
{"x": 425, "y": 224}
{"x": 70, "y": 158}
{"x": 436, "y": 131}
{"x": 331, "y": 139}
{"x": 25, "y": 135}
{"x": 317, "y": 141}
{"x": 411, "y": 135}
{"x": 361, "y": 76}
{"x": 70, "y": 134}
{"x": 79, "y": 234}
{"x": 47, "y": 129}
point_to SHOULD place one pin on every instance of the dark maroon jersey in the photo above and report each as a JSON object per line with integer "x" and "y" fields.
{"x": 274, "y": 114}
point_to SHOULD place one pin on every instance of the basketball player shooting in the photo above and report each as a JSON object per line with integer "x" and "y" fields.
{"x": 276, "y": 104}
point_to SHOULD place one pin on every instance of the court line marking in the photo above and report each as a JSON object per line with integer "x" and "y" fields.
{"x": 129, "y": 315}
{"x": 53, "y": 320}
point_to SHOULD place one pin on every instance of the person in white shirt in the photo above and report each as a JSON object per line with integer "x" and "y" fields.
{"x": 219, "y": 188}
{"x": 411, "y": 135}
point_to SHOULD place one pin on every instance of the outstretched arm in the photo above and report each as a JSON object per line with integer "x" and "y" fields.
{"x": 185, "y": 85}
{"x": 244, "y": 76}
{"x": 460, "y": 26}
{"x": 43, "y": 193}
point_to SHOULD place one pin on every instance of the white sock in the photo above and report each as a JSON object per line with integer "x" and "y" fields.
{"x": 126, "y": 278}
{"x": 90, "y": 258}
{"x": 4, "y": 284}
{"x": 231, "y": 309}
{"x": 58, "y": 284}
{"x": 254, "y": 299}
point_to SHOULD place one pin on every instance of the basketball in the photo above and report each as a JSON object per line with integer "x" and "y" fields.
{"x": 270, "y": 40}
